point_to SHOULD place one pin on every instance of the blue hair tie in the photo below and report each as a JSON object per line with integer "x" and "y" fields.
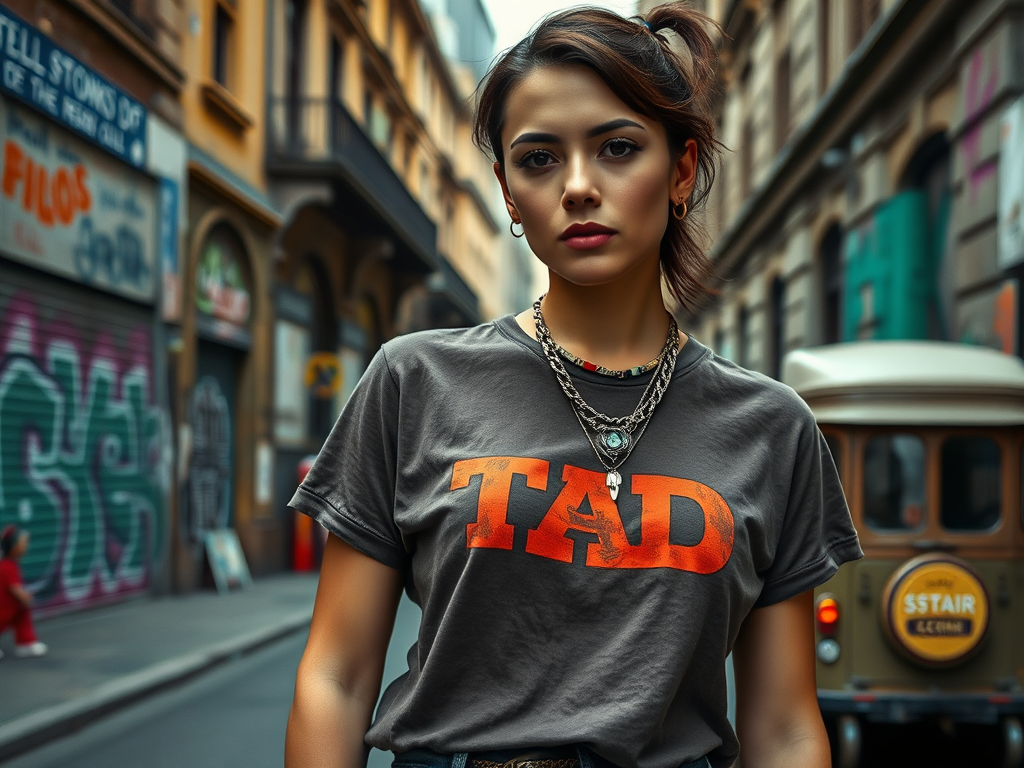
{"x": 644, "y": 22}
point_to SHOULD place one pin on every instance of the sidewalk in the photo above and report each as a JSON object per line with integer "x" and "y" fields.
{"x": 106, "y": 658}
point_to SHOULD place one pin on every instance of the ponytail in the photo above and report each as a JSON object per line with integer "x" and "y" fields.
{"x": 692, "y": 54}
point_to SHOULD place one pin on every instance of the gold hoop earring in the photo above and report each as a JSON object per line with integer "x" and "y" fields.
{"x": 675, "y": 210}
{"x": 512, "y": 224}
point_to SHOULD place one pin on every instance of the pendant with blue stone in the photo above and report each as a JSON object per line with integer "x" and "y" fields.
{"x": 615, "y": 440}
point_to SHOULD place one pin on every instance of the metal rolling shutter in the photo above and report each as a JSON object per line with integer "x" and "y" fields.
{"x": 83, "y": 452}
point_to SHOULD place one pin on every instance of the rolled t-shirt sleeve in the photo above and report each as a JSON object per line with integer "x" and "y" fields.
{"x": 817, "y": 534}
{"x": 350, "y": 489}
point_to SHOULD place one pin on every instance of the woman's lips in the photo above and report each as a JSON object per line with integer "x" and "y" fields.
{"x": 586, "y": 242}
{"x": 583, "y": 237}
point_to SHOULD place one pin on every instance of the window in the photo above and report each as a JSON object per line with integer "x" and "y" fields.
{"x": 296, "y": 18}
{"x": 832, "y": 285}
{"x": 367, "y": 108}
{"x": 746, "y": 159}
{"x": 778, "y": 326}
{"x": 337, "y": 71}
{"x": 893, "y": 489}
{"x": 863, "y": 14}
{"x": 782, "y": 77}
{"x": 781, "y": 85}
{"x": 824, "y": 30}
{"x": 742, "y": 331}
{"x": 971, "y": 484}
{"x": 835, "y": 447}
{"x": 392, "y": 13}
{"x": 223, "y": 23}
{"x": 409, "y": 146}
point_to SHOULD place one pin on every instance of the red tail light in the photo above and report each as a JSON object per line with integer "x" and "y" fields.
{"x": 826, "y": 614}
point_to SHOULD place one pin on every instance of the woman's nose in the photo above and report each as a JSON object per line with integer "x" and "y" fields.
{"x": 580, "y": 186}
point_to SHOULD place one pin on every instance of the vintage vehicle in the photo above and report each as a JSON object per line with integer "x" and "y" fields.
{"x": 929, "y": 441}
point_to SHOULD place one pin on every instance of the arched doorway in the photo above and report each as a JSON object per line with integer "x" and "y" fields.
{"x": 223, "y": 305}
{"x": 928, "y": 174}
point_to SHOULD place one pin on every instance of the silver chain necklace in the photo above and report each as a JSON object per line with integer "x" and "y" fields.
{"x": 612, "y": 437}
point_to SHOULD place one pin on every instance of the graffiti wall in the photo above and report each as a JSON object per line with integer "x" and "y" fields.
{"x": 84, "y": 448}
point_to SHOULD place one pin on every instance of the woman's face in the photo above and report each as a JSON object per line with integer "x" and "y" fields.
{"x": 590, "y": 179}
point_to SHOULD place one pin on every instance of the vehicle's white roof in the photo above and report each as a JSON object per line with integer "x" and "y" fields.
{"x": 908, "y": 382}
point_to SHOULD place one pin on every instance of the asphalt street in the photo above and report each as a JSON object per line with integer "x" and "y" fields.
{"x": 235, "y": 717}
{"x": 232, "y": 717}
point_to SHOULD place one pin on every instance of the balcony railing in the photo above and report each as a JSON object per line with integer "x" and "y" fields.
{"x": 450, "y": 283}
{"x": 320, "y": 134}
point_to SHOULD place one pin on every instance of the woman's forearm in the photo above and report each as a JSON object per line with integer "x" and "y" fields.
{"x": 807, "y": 747}
{"x": 326, "y": 725}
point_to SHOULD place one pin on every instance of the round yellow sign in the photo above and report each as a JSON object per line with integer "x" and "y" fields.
{"x": 324, "y": 375}
{"x": 935, "y": 609}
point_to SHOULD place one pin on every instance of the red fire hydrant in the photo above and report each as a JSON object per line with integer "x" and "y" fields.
{"x": 302, "y": 542}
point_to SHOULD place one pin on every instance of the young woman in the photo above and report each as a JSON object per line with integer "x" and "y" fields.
{"x": 591, "y": 508}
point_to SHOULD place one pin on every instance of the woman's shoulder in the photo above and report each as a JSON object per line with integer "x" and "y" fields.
{"x": 444, "y": 347}
{"x": 740, "y": 386}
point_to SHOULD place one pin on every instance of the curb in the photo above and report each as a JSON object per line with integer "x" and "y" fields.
{"x": 35, "y": 729}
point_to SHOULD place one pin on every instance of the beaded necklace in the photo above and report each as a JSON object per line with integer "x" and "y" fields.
{"x": 625, "y": 373}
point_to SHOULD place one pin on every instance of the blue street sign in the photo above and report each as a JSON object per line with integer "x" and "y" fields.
{"x": 57, "y": 84}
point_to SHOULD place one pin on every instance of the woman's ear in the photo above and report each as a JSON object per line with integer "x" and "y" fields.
{"x": 684, "y": 173}
{"x": 499, "y": 172}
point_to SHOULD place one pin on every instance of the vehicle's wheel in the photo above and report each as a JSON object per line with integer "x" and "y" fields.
{"x": 1013, "y": 743}
{"x": 848, "y": 735}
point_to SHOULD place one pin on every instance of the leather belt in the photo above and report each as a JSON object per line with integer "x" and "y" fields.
{"x": 526, "y": 761}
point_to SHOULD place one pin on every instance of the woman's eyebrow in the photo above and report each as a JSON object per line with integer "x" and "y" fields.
{"x": 597, "y": 130}
{"x": 613, "y": 125}
{"x": 534, "y": 138}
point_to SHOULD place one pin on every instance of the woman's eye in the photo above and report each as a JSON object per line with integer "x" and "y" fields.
{"x": 536, "y": 159}
{"x": 620, "y": 148}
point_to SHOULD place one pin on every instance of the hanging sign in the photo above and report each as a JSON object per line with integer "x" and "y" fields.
{"x": 67, "y": 208}
{"x": 324, "y": 375}
{"x": 46, "y": 77}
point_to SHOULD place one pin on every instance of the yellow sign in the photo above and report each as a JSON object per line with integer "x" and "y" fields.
{"x": 936, "y": 609}
{"x": 324, "y": 375}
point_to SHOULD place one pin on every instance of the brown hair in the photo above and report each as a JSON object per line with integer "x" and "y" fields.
{"x": 650, "y": 74}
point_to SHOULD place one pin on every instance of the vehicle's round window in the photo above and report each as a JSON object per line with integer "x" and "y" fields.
{"x": 971, "y": 483}
{"x": 894, "y": 483}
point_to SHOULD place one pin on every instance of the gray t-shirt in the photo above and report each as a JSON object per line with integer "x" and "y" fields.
{"x": 551, "y": 614}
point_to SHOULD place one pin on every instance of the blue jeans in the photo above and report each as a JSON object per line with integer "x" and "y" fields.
{"x": 422, "y": 758}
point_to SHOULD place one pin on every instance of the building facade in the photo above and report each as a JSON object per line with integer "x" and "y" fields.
{"x": 213, "y": 214}
{"x": 91, "y": 172}
{"x": 388, "y": 212}
{"x": 858, "y": 198}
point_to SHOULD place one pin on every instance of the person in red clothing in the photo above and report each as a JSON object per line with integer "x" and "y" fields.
{"x": 15, "y": 600}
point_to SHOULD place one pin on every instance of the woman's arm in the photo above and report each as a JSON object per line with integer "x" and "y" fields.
{"x": 339, "y": 677}
{"x": 777, "y": 717}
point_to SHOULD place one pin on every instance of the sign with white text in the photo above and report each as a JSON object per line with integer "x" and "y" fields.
{"x": 40, "y": 73}
{"x": 70, "y": 209}
{"x": 1011, "y": 186}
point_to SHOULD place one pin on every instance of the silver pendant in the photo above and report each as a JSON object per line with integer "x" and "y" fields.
{"x": 613, "y": 481}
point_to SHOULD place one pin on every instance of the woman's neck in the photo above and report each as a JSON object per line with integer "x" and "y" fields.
{"x": 614, "y": 325}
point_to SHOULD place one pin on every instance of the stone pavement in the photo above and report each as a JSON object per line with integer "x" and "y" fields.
{"x": 106, "y": 658}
